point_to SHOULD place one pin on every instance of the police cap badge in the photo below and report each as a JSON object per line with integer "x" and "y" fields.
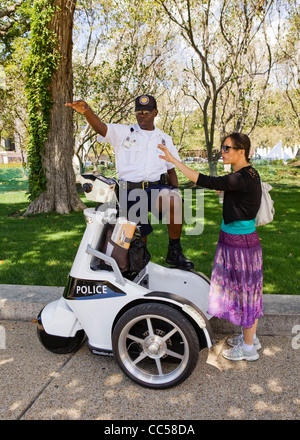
{"x": 145, "y": 102}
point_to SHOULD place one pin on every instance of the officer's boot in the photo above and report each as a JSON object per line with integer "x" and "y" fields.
{"x": 176, "y": 258}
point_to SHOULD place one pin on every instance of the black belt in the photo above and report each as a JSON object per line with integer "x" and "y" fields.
{"x": 125, "y": 184}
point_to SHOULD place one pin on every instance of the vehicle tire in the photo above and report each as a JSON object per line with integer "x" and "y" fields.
{"x": 155, "y": 345}
{"x": 59, "y": 344}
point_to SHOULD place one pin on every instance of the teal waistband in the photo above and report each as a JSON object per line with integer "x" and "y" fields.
{"x": 239, "y": 227}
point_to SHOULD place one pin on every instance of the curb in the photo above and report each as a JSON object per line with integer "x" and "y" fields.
{"x": 23, "y": 303}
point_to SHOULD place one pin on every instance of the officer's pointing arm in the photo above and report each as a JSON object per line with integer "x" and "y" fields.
{"x": 83, "y": 108}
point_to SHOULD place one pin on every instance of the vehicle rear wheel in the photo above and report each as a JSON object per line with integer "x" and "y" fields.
{"x": 155, "y": 345}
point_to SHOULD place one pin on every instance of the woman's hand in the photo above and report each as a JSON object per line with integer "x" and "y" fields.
{"x": 167, "y": 155}
{"x": 188, "y": 172}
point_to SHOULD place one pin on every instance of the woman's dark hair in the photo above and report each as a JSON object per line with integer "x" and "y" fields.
{"x": 241, "y": 141}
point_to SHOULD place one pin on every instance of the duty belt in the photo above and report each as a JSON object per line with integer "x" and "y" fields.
{"x": 125, "y": 184}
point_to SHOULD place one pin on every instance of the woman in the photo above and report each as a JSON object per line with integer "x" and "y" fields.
{"x": 236, "y": 280}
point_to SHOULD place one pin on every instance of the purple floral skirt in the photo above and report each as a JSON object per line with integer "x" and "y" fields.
{"x": 237, "y": 279}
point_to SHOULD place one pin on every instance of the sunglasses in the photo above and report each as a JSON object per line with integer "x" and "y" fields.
{"x": 225, "y": 148}
{"x": 142, "y": 112}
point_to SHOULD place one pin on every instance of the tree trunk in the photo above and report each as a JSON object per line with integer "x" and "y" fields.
{"x": 212, "y": 160}
{"x": 61, "y": 194}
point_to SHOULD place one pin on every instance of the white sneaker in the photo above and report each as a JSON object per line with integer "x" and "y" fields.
{"x": 237, "y": 339}
{"x": 238, "y": 353}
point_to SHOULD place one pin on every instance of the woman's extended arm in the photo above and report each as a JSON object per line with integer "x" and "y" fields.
{"x": 188, "y": 172}
{"x": 230, "y": 182}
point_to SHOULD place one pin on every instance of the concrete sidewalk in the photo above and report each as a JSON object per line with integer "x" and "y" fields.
{"x": 39, "y": 385}
{"x": 23, "y": 303}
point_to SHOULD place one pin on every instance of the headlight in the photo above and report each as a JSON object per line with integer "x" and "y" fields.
{"x": 88, "y": 219}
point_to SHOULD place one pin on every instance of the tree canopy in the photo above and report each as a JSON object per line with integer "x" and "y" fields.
{"x": 214, "y": 67}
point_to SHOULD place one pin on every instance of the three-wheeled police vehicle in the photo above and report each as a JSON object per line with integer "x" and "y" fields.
{"x": 154, "y": 321}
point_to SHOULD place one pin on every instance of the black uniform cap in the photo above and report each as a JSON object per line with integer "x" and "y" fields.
{"x": 145, "y": 102}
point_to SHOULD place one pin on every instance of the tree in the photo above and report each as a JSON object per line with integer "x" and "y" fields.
{"x": 13, "y": 103}
{"x": 124, "y": 54}
{"x": 52, "y": 183}
{"x": 219, "y": 35}
{"x": 131, "y": 68}
{"x": 242, "y": 98}
{"x": 14, "y": 22}
{"x": 288, "y": 72}
{"x": 6, "y": 13}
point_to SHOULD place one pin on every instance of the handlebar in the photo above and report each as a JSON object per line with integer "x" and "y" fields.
{"x": 110, "y": 260}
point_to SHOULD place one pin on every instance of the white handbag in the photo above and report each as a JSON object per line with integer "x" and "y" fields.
{"x": 266, "y": 210}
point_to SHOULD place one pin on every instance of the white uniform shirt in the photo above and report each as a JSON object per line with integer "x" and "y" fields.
{"x": 137, "y": 153}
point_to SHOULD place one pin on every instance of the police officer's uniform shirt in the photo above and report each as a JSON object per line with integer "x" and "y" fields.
{"x": 136, "y": 152}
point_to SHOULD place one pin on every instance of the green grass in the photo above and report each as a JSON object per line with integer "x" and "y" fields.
{"x": 36, "y": 250}
{"x": 12, "y": 179}
{"x": 39, "y": 250}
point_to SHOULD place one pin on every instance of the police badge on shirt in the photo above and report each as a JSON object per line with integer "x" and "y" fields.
{"x": 130, "y": 140}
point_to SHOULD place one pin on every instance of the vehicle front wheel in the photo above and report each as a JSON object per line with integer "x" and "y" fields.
{"x": 155, "y": 345}
{"x": 59, "y": 344}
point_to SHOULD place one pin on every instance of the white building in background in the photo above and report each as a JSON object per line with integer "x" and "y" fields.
{"x": 278, "y": 152}
{"x": 11, "y": 150}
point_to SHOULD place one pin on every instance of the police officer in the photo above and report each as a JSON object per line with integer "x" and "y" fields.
{"x": 139, "y": 167}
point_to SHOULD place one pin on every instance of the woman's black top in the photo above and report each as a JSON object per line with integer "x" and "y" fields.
{"x": 242, "y": 193}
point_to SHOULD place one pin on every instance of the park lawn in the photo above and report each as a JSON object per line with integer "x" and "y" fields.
{"x": 36, "y": 250}
{"x": 39, "y": 250}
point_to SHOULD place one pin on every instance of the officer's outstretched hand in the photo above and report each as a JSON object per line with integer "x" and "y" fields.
{"x": 80, "y": 106}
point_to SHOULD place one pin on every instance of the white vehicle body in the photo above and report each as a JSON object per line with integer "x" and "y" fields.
{"x": 94, "y": 299}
